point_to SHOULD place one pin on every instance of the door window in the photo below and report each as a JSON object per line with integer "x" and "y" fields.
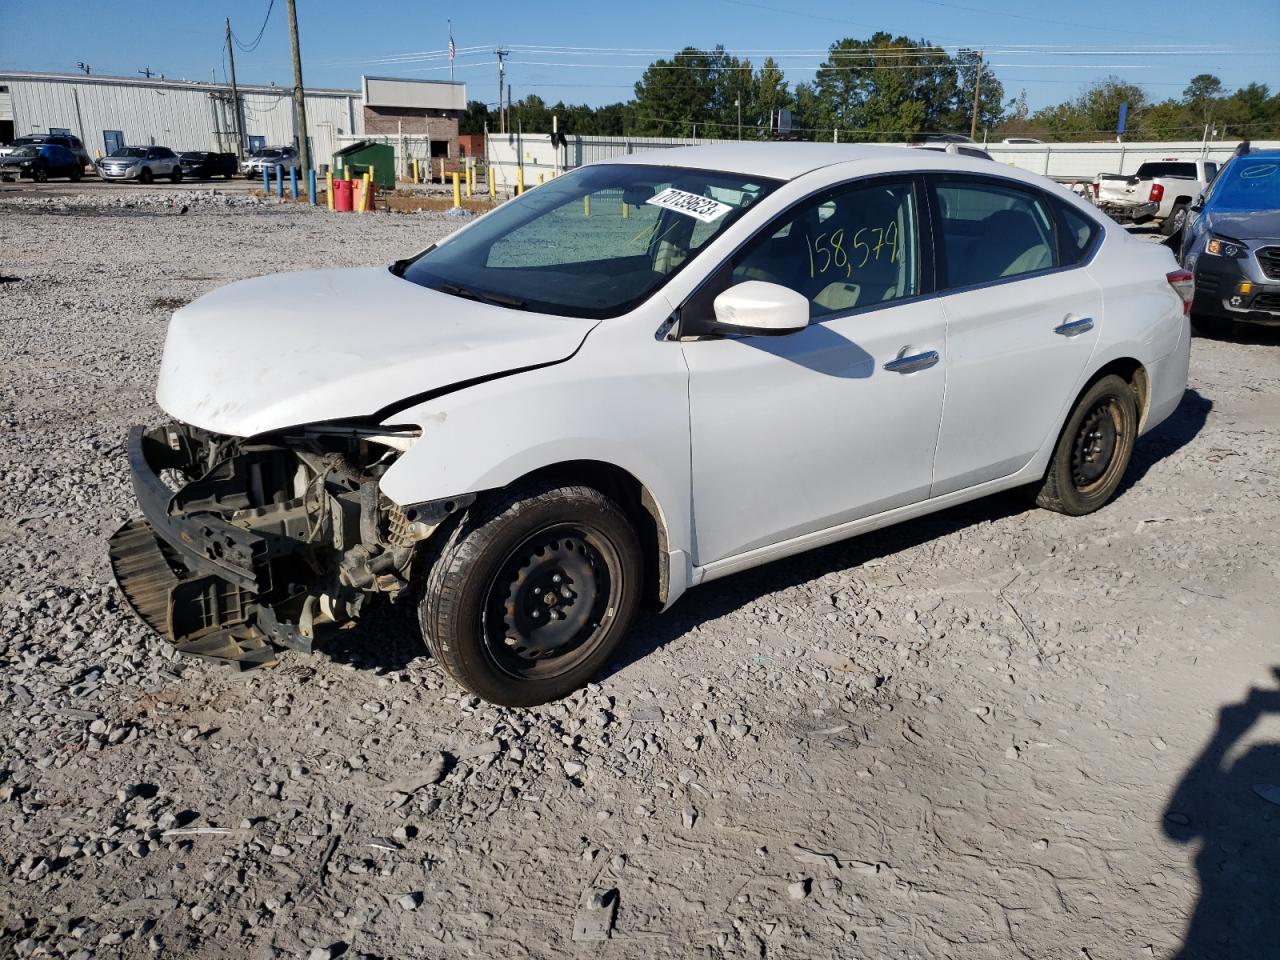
{"x": 993, "y": 232}
{"x": 113, "y": 140}
{"x": 845, "y": 249}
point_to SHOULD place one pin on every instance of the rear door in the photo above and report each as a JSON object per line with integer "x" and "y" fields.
{"x": 1022, "y": 321}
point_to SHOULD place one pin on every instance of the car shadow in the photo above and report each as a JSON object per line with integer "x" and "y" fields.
{"x": 1178, "y": 429}
{"x": 721, "y": 597}
{"x": 1245, "y": 334}
{"x": 1230, "y": 802}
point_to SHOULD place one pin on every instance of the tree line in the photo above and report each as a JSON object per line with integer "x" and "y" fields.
{"x": 885, "y": 88}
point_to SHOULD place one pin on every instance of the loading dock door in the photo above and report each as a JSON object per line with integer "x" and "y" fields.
{"x": 112, "y": 140}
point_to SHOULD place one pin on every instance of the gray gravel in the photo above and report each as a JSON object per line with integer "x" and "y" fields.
{"x": 955, "y": 738}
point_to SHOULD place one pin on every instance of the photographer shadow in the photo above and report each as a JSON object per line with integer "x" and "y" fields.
{"x": 1220, "y": 802}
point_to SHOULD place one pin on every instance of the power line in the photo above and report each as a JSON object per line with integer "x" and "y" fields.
{"x": 249, "y": 48}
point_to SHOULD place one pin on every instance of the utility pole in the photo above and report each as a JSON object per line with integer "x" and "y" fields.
{"x": 977, "y": 85}
{"x": 299, "y": 101}
{"x": 235, "y": 95}
{"x": 502, "y": 86}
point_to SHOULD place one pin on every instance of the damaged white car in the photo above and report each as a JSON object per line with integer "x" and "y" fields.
{"x": 636, "y": 378}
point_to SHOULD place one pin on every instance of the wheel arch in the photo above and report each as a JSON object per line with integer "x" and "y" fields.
{"x": 636, "y": 501}
{"x": 1132, "y": 371}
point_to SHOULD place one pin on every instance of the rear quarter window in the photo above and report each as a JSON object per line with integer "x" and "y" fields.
{"x": 1077, "y": 236}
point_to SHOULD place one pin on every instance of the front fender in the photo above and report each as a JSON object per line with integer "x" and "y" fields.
{"x": 623, "y": 407}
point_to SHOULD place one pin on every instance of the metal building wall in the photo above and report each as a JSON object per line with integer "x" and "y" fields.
{"x": 181, "y": 116}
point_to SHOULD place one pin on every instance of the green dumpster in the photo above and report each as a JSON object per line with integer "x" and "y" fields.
{"x": 358, "y": 157}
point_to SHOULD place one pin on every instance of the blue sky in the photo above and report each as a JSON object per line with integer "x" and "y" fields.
{"x": 593, "y": 52}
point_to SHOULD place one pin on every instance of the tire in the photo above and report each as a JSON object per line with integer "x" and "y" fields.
{"x": 1093, "y": 450}
{"x": 1175, "y": 221}
{"x": 486, "y": 609}
{"x": 145, "y": 176}
{"x": 176, "y": 175}
{"x": 76, "y": 175}
{"x": 39, "y": 174}
{"x": 226, "y": 176}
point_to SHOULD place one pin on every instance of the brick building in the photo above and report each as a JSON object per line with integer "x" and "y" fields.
{"x": 415, "y": 108}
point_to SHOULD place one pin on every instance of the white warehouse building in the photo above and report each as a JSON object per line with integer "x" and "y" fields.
{"x": 107, "y": 112}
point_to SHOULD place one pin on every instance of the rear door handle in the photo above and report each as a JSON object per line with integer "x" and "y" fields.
{"x": 1072, "y": 328}
{"x": 912, "y": 363}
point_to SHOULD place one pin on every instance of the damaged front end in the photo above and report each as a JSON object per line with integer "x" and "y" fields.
{"x": 250, "y": 545}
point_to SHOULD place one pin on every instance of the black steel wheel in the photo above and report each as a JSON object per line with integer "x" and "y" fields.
{"x": 1093, "y": 450}
{"x": 145, "y": 176}
{"x": 39, "y": 174}
{"x": 531, "y": 593}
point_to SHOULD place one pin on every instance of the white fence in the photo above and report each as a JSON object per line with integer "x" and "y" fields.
{"x": 1062, "y": 161}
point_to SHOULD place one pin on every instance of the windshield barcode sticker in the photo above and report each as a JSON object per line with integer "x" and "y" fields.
{"x": 701, "y": 208}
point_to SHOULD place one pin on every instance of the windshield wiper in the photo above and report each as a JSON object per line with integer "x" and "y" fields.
{"x": 496, "y": 299}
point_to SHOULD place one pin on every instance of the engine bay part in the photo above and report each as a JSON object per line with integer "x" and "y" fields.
{"x": 250, "y": 545}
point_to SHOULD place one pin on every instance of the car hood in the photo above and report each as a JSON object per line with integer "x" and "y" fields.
{"x": 296, "y": 348}
{"x": 1245, "y": 224}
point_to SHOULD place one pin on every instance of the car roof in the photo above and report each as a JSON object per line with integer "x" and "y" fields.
{"x": 788, "y": 161}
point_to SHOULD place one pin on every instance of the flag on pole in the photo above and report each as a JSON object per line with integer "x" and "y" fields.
{"x": 452, "y": 49}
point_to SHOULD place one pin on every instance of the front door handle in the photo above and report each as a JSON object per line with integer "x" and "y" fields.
{"x": 912, "y": 363}
{"x": 1071, "y": 328}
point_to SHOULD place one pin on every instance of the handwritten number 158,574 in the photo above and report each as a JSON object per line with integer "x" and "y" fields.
{"x": 827, "y": 250}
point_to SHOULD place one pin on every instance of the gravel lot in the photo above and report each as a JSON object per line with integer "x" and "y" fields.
{"x": 996, "y": 732}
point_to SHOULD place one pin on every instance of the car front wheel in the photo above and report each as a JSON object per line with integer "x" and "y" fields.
{"x": 145, "y": 175}
{"x": 1093, "y": 452}
{"x": 176, "y": 175}
{"x": 531, "y": 595}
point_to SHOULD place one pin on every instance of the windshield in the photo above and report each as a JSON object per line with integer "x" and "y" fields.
{"x": 27, "y": 150}
{"x": 1248, "y": 184}
{"x": 1149, "y": 171}
{"x": 593, "y": 243}
{"x": 128, "y": 152}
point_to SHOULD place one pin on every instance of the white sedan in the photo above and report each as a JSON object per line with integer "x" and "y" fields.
{"x": 639, "y": 377}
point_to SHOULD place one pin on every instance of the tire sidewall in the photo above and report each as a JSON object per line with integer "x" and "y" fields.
{"x": 454, "y": 631}
{"x": 1073, "y": 501}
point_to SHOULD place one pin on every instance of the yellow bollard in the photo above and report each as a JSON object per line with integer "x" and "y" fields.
{"x": 519, "y": 180}
{"x": 626, "y": 211}
{"x": 542, "y": 178}
{"x": 470, "y": 183}
{"x": 457, "y": 190}
{"x": 371, "y": 173}
{"x": 328, "y": 187}
{"x": 586, "y": 205}
{"x": 368, "y": 191}
{"x": 442, "y": 169}
{"x": 415, "y": 170}
{"x": 493, "y": 185}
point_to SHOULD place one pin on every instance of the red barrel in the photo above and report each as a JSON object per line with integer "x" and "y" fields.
{"x": 342, "y": 195}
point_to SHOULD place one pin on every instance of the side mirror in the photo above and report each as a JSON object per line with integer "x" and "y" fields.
{"x": 757, "y": 308}
{"x": 1198, "y": 205}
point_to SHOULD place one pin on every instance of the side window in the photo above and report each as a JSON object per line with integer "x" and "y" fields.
{"x": 1077, "y": 236}
{"x": 993, "y": 232}
{"x": 1210, "y": 172}
{"x": 850, "y": 248}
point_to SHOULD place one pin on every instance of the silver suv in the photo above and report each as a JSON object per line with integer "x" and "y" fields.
{"x": 270, "y": 157}
{"x": 143, "y": 164}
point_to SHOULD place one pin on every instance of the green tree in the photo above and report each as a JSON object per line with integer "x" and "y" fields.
{"x": 771, "y": 95}
{"x": 1095, "y": 112}
{"x": 473, "y": 120}
{"x": 1201, "y": 94}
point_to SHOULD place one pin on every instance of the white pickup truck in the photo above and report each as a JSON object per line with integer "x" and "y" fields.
{"x": 1161, "y": 190}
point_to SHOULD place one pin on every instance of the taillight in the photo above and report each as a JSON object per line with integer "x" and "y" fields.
{"x": 1157, "y": 192}
{"x": 1184, "y": 285}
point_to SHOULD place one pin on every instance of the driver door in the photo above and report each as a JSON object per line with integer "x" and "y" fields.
{"x": 799, "y": 433}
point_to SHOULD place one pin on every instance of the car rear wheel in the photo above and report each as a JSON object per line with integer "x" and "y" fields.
{"x": 145, "y": 176}
{"x": 1175, "y": 221}
{"x": 1093, "y": 451}
{"x": 75, "y": 175}
{"x": 530, "y": 596}
{"x": 176, "y": 175}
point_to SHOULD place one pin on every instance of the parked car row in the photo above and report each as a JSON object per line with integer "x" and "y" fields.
{"x": 42, "y": 156}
